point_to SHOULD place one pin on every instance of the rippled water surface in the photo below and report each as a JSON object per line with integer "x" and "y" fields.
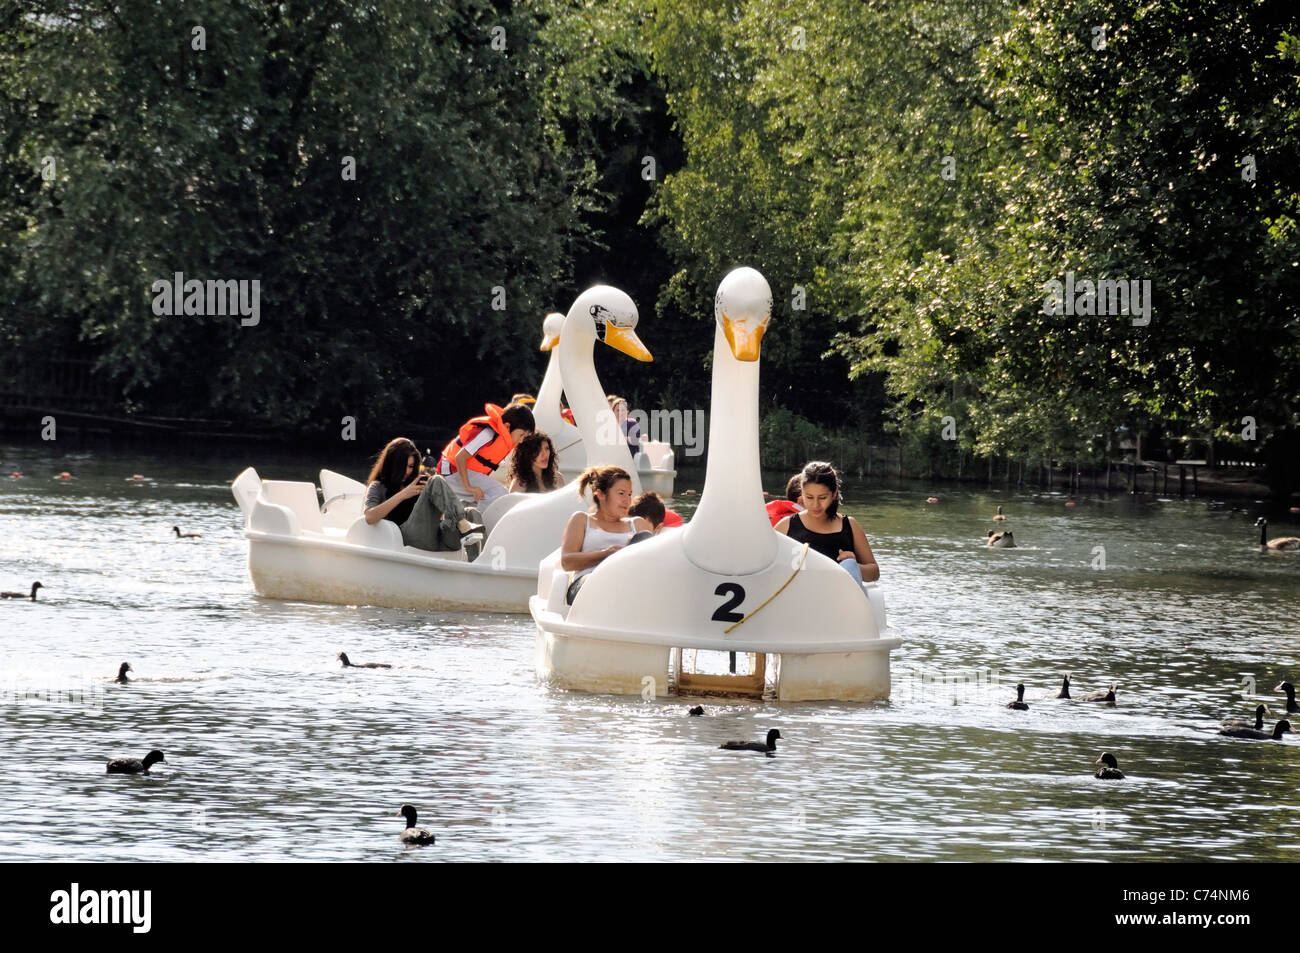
{"x": 274, "y": 752}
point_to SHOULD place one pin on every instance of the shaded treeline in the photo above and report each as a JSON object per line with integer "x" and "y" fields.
{"x": 910, "y": 176}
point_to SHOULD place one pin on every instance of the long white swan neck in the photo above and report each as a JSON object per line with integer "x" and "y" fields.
{"x": 589, "y": 406}
{"x": 730, "y": 532}
{"x": 547, "y": 410}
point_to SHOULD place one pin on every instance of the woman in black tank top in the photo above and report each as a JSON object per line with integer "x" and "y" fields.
{"x": 825, "y": 530}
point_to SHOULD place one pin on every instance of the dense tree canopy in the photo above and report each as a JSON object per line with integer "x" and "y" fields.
{"x": 910, "y": 176}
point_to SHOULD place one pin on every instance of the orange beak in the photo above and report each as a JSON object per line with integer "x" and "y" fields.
{"x": 744, "y": 336}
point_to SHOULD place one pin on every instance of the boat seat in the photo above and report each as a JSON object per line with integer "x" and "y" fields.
{"x": 500, "y": 507}
{"x": 300, "y": 498}
{"x": 246, "y": 487}
{"x": 382, "y": 535}
{"x": 336, "y": 484}
{"x": 553, "y": 584}
{"x": 876, "y": 598}
{"x": 338, "y": 512}
{"x": 655, "y": 455}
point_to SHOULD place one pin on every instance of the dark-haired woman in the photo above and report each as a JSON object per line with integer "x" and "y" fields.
{"x": 424, "y": 506}
{"x": 824, "y": 529}
{"x": 534, "y": 468}
{"x": 592, "y": 537}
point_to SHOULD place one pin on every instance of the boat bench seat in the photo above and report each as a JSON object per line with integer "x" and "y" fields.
{"x": 381, "y": 535}
{"x": 876, "y": 598}
{"x": 655, "y": 455}
{"x": 386, "y": 535}
{"x": 553, "y": 583}
{"x": 300, "y": 498}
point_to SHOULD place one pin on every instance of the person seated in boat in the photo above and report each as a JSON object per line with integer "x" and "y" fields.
{"x": 651, "y": 507}
{"x": 592, "y": 537}
{"x": 825, "y": 529}
{"x": 534, "y": 467}
{"x": 778, "y": 510}
{"x": 627, "y": 426}
{"x": 423, "y": 505}
{"x": 478, "y": 448}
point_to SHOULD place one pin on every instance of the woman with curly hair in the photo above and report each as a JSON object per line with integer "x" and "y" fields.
{"x": 535, "y": 468}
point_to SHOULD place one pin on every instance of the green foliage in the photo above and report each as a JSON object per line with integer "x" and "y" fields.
{"x": 228, "y": 162}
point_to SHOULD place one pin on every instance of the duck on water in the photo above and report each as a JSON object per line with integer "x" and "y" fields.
{"x": 343, "y": 657}
{"x": 136, "y": 765}
{"x": 767, "y": 748}
{"x": 413, "y": 836}
{"x": 23, "y": 595}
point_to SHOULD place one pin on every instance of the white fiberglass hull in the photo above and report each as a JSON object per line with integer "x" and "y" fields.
{"x": 315, "y": 569}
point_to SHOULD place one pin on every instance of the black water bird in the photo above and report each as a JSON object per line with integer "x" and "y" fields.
{"x": 1256, "y": 725}
{"x": 135, "y": 765}
{"x": 1283, "y": 544}
{"x": 22, "y": 595}
{"x": 769, "y": 748}
{"x": 1109, "y": 770}
{"x": 343, "y": 657}
{"x": 121, "y": 673}
{"x": 1105, "y": 697}
{"x": 1065, "y": 689}
{"x": 1019, "y": 703}
{"x": 413, "y": 836}
{"x": 1291, "y": 705}
{"x": 1281, "y": 728}
{"x": 180, "y": 535}
{"x": 696, "y": 711}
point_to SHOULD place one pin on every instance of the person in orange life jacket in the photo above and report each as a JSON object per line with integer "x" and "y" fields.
{"x": 479, "y": 447}
{"x": 823, "y": 528}
{"x": 778, "y": 510}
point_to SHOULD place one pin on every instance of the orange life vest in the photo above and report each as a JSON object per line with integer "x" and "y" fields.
{"x": 489, "y": 457}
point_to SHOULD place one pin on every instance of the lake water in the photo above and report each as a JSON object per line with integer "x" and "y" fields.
{"x": 274, "y": 752}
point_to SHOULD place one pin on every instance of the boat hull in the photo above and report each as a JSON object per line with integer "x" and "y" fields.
{"x": 618, "y": 665}
{"x": 333, "y": 571}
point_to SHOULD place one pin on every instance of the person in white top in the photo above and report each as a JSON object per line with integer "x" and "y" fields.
{"x": 592, "y": 537}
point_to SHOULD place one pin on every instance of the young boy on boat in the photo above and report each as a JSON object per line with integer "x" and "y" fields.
{"x": 473, "y": 455}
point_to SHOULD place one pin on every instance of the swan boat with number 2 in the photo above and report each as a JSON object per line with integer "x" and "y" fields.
{"x": 725, "y": 582}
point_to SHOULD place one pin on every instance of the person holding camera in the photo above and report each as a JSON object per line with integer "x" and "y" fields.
{"x": 423, "y": 505}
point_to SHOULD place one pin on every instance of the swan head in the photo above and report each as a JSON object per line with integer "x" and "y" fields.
{"x": 608, "y": 315}
{"x": 551, "y": 330}
{"x": 743, "y": 307}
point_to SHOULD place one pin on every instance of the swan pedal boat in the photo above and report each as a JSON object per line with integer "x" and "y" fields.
{"x": 655, "y": 465}
{"x": 724, "y": 582}
{"x": 299, "y": 549}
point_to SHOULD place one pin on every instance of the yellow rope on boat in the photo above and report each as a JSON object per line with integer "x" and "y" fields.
{"x": 802, "y": 556}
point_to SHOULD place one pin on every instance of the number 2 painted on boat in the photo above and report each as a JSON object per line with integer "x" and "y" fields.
{"x": 724, "y": 612}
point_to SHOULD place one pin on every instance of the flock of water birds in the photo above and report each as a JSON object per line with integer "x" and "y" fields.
{"x": 1231, "y": 728}
{"x": 412, "y": 836}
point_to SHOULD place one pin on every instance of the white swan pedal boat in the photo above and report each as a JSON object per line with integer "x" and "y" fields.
{"x": 299, "y": 549}
{"x": 725, "y": 582}
{"x": 655, "y": 464}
